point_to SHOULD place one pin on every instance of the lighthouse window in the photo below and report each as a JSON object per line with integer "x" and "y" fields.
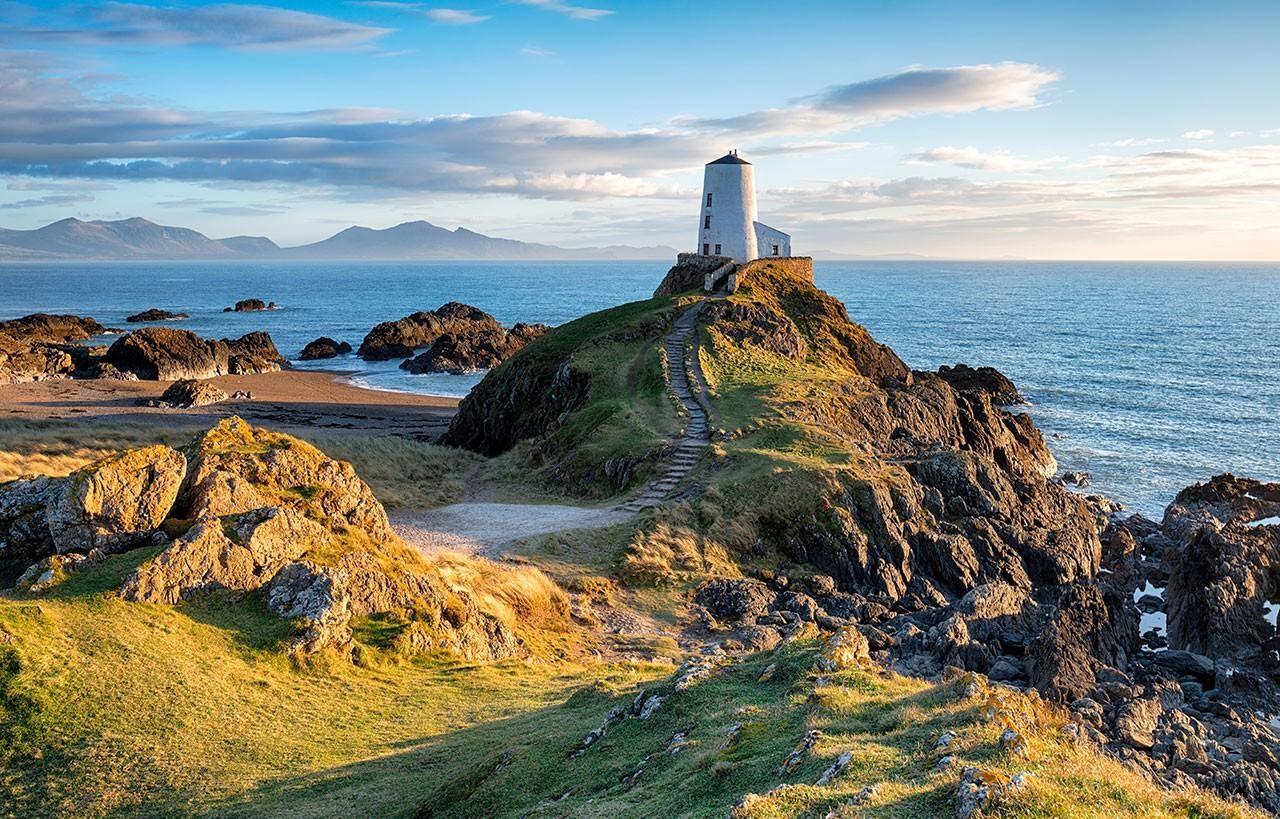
{"x": 708, "y": 200}
{"x": 717, "y": 250}
{"x": 706, "y": 249}
{"x": 775, "y": 250}
{"x": 706, "y": 222}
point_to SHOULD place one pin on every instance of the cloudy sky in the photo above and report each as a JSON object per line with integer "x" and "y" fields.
{"x": 1083, "y": 130}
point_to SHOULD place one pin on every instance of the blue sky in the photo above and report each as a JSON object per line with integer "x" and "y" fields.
{"x": 1046, "y": 130}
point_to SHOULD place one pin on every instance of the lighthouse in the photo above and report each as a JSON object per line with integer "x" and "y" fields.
{"x": 728, "y": 224}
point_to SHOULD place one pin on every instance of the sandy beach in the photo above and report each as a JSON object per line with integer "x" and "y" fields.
{"x": 290, "y": 398}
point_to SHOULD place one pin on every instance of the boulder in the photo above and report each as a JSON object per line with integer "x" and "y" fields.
{"x": 55, "y": 329}
{"x": 117, "y": 502}
{"x": 186, "y": 394}
{"x": 236, "y": 468}
{"x": 237, "y": 552}
{"x": 400, "y": 338}
{"x": 155, "y": 314}
{"x": 24, "y": 530}
{"x": 169, "y": 354}
{"x": 735, "y": 599}
{"x": 324, "y": 347}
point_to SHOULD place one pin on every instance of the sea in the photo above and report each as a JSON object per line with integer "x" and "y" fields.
{"x": 1148, "y": 376}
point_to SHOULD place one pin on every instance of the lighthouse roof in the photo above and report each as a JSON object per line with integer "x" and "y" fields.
{"x": 729, "y": 159}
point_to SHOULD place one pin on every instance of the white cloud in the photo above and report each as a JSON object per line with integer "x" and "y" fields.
{"x": 1203, "y": 133}
{"x": 225, "y": 25}
{"x": 978, "y": 160}
{"x": 912, "y": 92}
{"x": 455, "y": 17}
{"x": 567, "y": 9}
{"x": 534, "y": 51}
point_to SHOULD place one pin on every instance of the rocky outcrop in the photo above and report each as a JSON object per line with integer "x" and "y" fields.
{"x": 400, "y": 338}
{"x": 481, "y": 349}
{"x": 116, "y": 503}
{"x": 250, "y": 306}
{"x": 155, "y": 314}
{"x": 987, "y": 380}
{"x": 236, "y": 468}
{"x": 324, "y": 347}
{"x": 168, "y": 354}
{"x": 758, "y": 325}
{"x": 40, "y": 347}
{"x": 236, "y": 552}
{"x": 186, "y": 394}
{"x": 1093, "y": 626}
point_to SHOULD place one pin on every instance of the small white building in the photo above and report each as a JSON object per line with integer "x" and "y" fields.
{"x": 728, "y": 224}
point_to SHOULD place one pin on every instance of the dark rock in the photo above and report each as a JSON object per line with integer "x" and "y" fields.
{"x": 35, "y": 347}
{"x": 54, "y": 329}
{"x": 1187, "y": 664}
{"x": 24, "y": 529}
{"x": 324, "y": 347}
{"x": 1150, "y": 603}
{"x": 155, "y": 314}
{"x": 168, "y": 354}
{"x": 801, "y": 604}
{"x": 251, "y": 306}
{"x": 734, "y": 599}
{"x": 986, "y": 380}
{"x": 479, "y": 349}
{"x": 188, "y": 393}
{"x": 757, "y": 325}
{"x": 1007, "y": 669}
{"x": 1092, "y": 626}
{"x": 400, "y": 338}
{"x": 1080, "y": 479}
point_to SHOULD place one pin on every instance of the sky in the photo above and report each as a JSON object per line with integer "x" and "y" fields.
{"x": 1084, "y": 130}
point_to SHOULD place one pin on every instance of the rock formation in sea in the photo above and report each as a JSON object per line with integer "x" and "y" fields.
{"x": 324, "y": 347}
{"x": 250, "y": 306}
{"x": 479, "y": 349}
{"x": 169, "y": 354}
{"x": 41, "y": 346}
{"x": 155, "y": 314}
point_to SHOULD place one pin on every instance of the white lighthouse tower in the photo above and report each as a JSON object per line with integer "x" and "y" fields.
{"x": 728, "y": 224}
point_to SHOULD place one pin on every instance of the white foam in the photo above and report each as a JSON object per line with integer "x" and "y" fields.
{"x": 1274, "y": 520}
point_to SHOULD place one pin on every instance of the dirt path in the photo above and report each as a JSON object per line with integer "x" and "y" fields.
{"x": 484, "y": 528}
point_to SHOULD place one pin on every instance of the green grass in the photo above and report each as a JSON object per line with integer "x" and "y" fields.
{"x": 147, "y": 710}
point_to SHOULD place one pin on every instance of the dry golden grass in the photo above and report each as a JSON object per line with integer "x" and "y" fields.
{"x": 403, "y": 473}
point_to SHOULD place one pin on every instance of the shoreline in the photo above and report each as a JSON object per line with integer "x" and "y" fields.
{"x": 323, "y": 399}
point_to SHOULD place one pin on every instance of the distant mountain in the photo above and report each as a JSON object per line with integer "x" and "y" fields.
{"x": 141, "y": 239}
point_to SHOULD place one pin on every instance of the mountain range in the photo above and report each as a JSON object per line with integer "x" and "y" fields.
{"x": 137, "y": 239}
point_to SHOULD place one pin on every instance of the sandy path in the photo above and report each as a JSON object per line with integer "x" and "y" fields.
{"x": 484, "y": 528}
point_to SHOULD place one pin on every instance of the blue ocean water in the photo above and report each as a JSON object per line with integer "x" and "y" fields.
{"x": 1147, "y": 375}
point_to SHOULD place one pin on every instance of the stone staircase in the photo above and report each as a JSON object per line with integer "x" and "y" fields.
{"x": 681, "y": 370}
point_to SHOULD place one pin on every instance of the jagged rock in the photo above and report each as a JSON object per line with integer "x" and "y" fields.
{"x": 400, "y": 338}
{"x": 238, "y": 552}
{"x": 986, "y": 380}
{"x": 836, "y": 768}
{"x": 169, "y": 354}
{"x": 1226, "y": 570}
{"x": 801, "y": 752}
{"x": 689, "y": 273}
{"x": 110, "y": 372}
{"x": 480, "y": 349}
{"x": 54, "y": 329}
{"x": 846, "y": 648}
{"x": 324, "y": 347}
{"x": 186, "y": 394}
{"x": 1187, "y": 664}
{"x": 1136, "y": 722}
{"x": 1093, "y": 626}
{"x": 1077, "y": 478}
{"x": 117, "y": 502}
{"x": 155, "y": 314}
{"x": 24, "y": 531}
